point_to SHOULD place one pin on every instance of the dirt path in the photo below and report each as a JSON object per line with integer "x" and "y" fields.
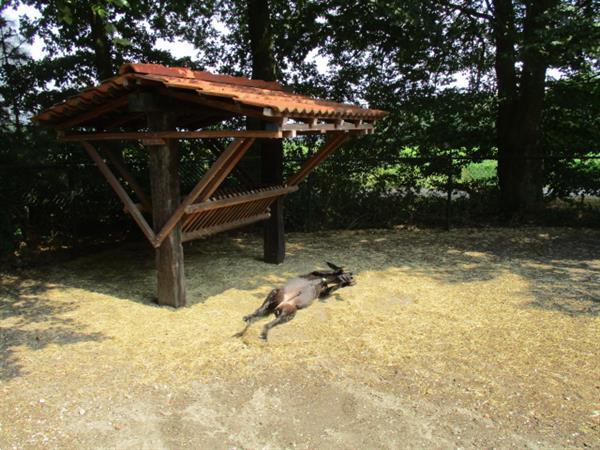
{"x": 473, "y": 338}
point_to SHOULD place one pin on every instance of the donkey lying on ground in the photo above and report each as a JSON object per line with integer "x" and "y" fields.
{"x": 296, "y": 294}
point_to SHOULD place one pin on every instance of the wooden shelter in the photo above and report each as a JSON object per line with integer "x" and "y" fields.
{"x": 160, "y": 105}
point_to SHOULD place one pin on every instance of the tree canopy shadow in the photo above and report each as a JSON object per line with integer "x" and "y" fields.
{"x": 211, "y": 267}
{"x": 28, "y": 318}
{"x": 561, "y": 266}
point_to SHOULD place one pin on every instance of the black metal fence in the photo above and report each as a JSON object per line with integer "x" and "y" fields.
{"x": 437, "y": 191}
{"x": 67, "y": 202}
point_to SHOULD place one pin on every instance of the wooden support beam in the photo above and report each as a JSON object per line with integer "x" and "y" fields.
{"x": 310, "y": 164}
{"x": 138, "y": 135}
{"x": 153, "y": 142}
{"x": 224, "y": 227}
{"x": 225, "y": 170}
{"x": 304, "y": 120}
{"x": 130, "y": 117}
{"x": 154, "y": 101}
{"x": 243, "y": 177}
{"x": 117, "y": 160}
{"x": 326, "y": 130}
{"x": 290, "y": 130}
{"x": 195, "y": 122}
{"x": 96, "y": 112}
{"x": 313, "y": 127}
{"x": 239, "y": 199}
{"x": 237, "y": 148}
{"x": 270, "y": 112}
{"x": 201, "y": 99}
{"x": 271, "y": 173}
{"x": 121, "y": 193}
{"x": 139, "y": 206}
{"x": 163, "y": 164}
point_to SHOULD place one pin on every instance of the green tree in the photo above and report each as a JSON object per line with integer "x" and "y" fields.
{"x": 264, "y": 67}
{"x": 14, "y": 78}
{"x": 393, "y": 53}
{"x": 531, "y": 37}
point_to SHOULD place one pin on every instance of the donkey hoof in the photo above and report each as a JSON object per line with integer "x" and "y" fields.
{"x": 263, "y": 336}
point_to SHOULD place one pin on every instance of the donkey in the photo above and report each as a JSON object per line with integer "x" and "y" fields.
{"x": 298, "y": 293}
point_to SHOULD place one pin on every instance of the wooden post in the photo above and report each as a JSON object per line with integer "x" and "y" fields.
{"x": 271, "y": 155}
{"x": 164, "y": 182}
{"x": 264, "y": 68}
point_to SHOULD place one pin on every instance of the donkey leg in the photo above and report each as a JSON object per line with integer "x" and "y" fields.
{"x": 239, "y": 334}
{"x": 323, "y": 274}
{"x": 265, "y": 309}
{"x": 251, "y": 318}
{"x": 284, "y": 316}
{"x": 329, "y": 290}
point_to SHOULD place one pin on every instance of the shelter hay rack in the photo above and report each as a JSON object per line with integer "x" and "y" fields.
{"x": 160, "y": 105}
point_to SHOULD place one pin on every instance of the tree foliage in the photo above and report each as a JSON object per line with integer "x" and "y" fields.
{"x": 461, "y": 78}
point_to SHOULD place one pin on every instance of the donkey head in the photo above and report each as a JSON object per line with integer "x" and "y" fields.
{"x": 341, "y": 277}
{"x": 346, "y": 279}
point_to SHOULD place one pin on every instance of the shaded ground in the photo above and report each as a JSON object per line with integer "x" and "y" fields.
{"x": 472, "y": 338}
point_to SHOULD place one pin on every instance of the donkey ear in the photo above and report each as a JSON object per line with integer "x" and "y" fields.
{"x": 333, "y": 266}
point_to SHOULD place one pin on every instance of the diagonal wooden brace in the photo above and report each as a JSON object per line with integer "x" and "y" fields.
{"x": 224, "y": 170}
{"x": 117, "y": 161}
{"x": 243, "y": 177}
{"x": 208, "y": 184}
{"x": 121, "y": 193}
{"x": 316, "y": 159}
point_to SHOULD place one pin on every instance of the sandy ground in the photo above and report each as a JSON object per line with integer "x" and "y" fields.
{"x": 472, "y": 339}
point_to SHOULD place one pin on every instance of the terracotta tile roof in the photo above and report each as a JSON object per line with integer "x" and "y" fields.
{"x": 256, "y": 94}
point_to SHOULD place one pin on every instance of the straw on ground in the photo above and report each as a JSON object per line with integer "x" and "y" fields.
{"x": 468, "y": 338}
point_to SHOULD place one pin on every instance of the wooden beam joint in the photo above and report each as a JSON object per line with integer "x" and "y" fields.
{"x": 208, "y": 184}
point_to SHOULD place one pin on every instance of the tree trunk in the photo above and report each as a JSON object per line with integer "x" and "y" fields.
{"x": 9, "y": 67}
{"x": 102, "y": 47}
{"x": 506, "y": 80}
{"x": 271, "y": 150}
{"x": 261, "y": 40}
{"x": 520, "y": 104}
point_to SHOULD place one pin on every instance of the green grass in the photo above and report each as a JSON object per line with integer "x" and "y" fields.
{"x": 479, "y": 171}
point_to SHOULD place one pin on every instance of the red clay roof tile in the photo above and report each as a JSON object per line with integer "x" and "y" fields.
{"x": 252, "y": 93}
